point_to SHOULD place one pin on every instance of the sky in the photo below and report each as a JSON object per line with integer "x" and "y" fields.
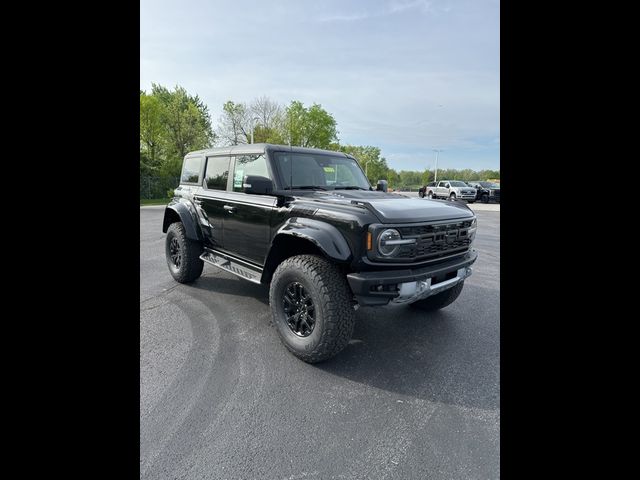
{"x": 408, "y": 76}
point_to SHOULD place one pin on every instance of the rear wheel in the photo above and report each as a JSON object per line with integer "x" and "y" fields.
{"x": 421, "y": 194}
{"x": 183, "y": 254}
{"x": 440, "y": 300}
{"x": 311, "y": 306}
{"x": 430, "y": 195}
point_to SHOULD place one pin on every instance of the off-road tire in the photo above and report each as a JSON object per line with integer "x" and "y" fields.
{"x": 440, "y": 300}
{"x": 332, "y": 299}
{"x": 190, "y": 266}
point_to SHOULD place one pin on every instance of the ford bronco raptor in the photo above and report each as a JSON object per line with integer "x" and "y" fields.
{"x": 307, "y": 223}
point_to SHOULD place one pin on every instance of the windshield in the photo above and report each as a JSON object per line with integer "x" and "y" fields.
{"x": 458, "y": 184}
{"x": 316, "y": 171}
{"x": 489, "y": 185}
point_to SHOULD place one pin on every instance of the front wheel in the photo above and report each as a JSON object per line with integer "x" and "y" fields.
{"x": 310, "y": 302}
{"x": 421, "y": 194}
{"x": 485, "y": 198}
{"x": 439, "y": 300}
{"x": 183, "y": 255}
{"x": 452, "y": 197}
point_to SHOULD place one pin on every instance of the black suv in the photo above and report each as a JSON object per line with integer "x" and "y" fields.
{"x": 486, "y": 191}
{"x": 307, "y": 222}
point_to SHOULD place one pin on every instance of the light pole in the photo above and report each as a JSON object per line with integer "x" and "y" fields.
{"x": 436, "y": 172}
{"x": 253, "y": 125}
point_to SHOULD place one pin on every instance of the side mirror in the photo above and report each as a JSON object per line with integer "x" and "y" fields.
{"x": 382, "y": 186}
{"x": 257, "y": 185}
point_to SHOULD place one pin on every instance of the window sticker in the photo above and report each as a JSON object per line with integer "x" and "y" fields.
{"x": 237, "y": 179}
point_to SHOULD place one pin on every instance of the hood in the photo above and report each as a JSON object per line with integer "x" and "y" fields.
{"x": 393, "y": 207}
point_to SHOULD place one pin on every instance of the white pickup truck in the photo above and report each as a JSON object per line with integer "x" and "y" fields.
{"x": 451, "y": 190}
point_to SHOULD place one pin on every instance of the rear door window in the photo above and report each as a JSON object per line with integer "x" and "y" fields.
{"x": 217, "y": 173}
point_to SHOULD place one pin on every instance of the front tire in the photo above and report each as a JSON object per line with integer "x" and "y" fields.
{"x": 183, "y": 254}
{"x": 440, "y": 300}
{"x": 452, "y": 197}
{"x": 311, "y": 306}
{"x": 485, "y": 198}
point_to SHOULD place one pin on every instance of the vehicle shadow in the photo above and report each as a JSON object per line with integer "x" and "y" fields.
{"x": 451, "y": 356}
{"x": 217, "y": 281}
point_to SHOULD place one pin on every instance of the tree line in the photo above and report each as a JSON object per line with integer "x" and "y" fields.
{"x": 174, "y": 122}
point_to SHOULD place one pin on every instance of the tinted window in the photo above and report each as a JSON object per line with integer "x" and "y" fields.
{"x": 217, "y": 173}
{"x": 191, "y": 170}
{"x": 248, "y": 165}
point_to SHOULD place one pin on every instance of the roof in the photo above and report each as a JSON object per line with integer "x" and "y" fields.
{"x": 253, "y": 148}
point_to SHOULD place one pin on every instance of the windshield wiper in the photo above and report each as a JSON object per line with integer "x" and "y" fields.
{"x": 307, "y": 187}
{"x": 350, "y": 187}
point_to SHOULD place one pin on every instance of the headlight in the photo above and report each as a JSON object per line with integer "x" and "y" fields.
{"x": 472, "y": 230}
{"x": 384, "y": 247}
{"x": 389, "y": 242}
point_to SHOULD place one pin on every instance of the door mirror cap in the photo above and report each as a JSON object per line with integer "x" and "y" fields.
{"x": 382, "y": 186}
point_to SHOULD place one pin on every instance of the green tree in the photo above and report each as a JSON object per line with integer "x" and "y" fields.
{"x": 151, "y": 133}
{"x": 185, "y": 126}
{"x": 235, "y": 124}
{"x": 369, "y": 159}
{"x": 309, "y": 127}
{"x": 426, "y": 177}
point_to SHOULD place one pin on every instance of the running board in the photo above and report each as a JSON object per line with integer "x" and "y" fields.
{"x": 235, "y": 266}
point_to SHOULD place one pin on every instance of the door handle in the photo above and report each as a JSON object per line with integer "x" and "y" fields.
{"x": 229, "y": 208}
{"x": 197, "y": 202}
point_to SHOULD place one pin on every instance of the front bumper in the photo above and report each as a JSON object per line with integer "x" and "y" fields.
{"x": 407, "y": 286}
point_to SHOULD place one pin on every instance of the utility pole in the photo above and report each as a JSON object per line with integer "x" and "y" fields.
{"x": 253, "y": 125}
{"x": 436, "y": 172}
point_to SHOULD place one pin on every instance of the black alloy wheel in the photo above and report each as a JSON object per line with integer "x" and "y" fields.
{"x": 299, "y": 309}
{"x": 174, "y": 253}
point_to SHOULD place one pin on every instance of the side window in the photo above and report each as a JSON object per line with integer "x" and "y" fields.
{"x": 255, "y": 165}
{"x": 217, "y": 173}
{"x": 191, "y": 170}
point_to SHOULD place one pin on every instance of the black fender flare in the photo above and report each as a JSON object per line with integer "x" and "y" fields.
{"x": 187, "y": 215}
{"x": 322, "y": 234}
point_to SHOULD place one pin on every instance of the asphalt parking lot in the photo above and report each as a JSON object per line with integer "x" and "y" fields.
{"x": 413, "y": 396}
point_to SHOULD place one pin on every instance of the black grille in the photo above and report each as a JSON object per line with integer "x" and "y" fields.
{"x": 419, "y": 230}
{"x": 435, "y": 241}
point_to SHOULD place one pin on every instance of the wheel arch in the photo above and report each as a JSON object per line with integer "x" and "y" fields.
{"x": 299, "y": 236}
{"x": 180, "y": 212}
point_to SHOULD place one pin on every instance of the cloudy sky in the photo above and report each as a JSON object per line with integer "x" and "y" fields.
{"x": 407, "y": 76}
